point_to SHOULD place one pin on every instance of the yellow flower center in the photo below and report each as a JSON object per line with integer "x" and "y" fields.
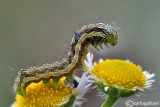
{"x": 119, "y": 73}
{"x": 41, "y": 95}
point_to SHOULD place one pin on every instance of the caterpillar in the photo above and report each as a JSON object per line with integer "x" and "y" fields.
{"x": 94, "y": 34}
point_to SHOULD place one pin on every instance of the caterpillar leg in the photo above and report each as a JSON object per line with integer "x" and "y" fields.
{"x": 46, "y": 82}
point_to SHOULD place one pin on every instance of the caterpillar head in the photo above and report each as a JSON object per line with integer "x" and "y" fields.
{"x": 111, "y": 35}
{"x": 103, "y": 34}
{"x": 112, "y": 38}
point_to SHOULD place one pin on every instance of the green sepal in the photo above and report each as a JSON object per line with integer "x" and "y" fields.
{"x": 69, "y": 102}
{"x": 22, "y": 92}
{"x": 101, "y": 87}
{"x": 114, "y": 91}
{"x": 126, "y": 93}
{"x": 114, "y": 94}
{"x": 121, "y": 92}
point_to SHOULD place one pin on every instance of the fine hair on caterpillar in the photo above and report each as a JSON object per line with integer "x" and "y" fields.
{"x": 94, "y": 34}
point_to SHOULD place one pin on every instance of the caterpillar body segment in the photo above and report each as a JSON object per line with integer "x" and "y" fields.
{"x": 94, "y": 34}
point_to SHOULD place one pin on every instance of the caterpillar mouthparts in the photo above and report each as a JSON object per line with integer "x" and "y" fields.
{"x": 94, "y": 34}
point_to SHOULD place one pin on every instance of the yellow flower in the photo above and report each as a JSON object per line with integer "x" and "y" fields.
{"x": 118, "y": 78}
{"x": 119, "y": 74}
{"x": 41, "y": 95}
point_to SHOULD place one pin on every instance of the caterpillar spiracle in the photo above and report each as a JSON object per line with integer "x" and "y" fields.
{"x": 94, "y": 34}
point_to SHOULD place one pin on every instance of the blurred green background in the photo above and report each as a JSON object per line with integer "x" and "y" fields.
{"x": 36, "y": 31}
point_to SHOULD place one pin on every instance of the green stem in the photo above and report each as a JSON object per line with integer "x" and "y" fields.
{"x": 110, "y": 101}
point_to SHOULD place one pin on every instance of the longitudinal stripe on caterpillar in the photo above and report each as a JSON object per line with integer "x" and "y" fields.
{"x": 94, "y": 34}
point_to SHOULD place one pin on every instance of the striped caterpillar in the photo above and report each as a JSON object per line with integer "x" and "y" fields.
{"x": 94, "y": 34}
